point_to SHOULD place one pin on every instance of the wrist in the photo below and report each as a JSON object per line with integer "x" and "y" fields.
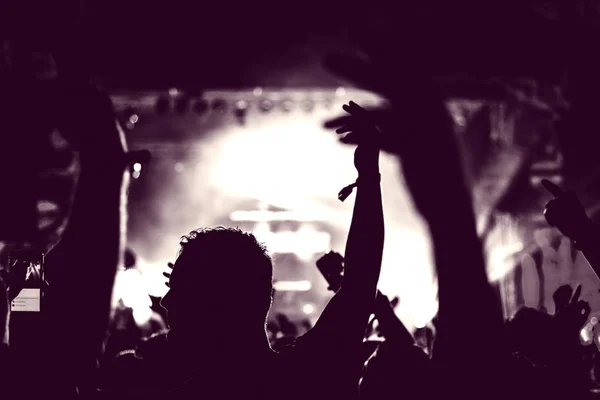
{"x": 367, "y": 177}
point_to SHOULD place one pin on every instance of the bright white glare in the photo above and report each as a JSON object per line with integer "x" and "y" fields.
{"x": 292, "y": 286}
{"x": 264, "y": 216}
{"x": 340, "y": 91}
{"x": 308, "y": 309}
{"x": 305, "y": 242}
{"x": 585, "y": 335}
{"x": 501, "y": 260}
{"x": 309, "y": 162}
{"x": 257, "y": 91}
{"x": 155, "y": 281}
{"x": 288, "y": 161}
{"x": 134, "y": 119}
{"x": 173, "y": 92}
{"x": 407, "y": 272}
{"x": 142, "y": 315}
{"x": 137, "y": 167}
{"x": 132, "y": 289}
{"x": 179, "y": 167}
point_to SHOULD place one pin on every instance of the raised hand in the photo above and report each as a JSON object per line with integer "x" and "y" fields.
{"x": 566, "y": 213}
{"x": 572, "y": 317}
{"x": 360, "y": 129}
{"x": 416, "y": 126}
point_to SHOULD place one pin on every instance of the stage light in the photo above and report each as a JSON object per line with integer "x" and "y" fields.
{"x": 179, "y": 167}
{"x": 308, "y": 309}
{"x": 163, "y": 105}
{"x": 257, "y": 91}
{"x": 340, "y": 92}
{"x": 201, "y": 106}
{"x": 287, "y": 105}
{"x": 137, "y": 167}
{"x": 173, "y": 92}
{"x": 219, "y": 105}
{"x": 241, "y": 104}
{"x": 135, "y": 174}
{"x": 266, "y": 105}
{"x": 133, "y": 119}
{"x": 307, "y": 105}
{"x": 182, "y": 104}
{"x": 241, "y": 107}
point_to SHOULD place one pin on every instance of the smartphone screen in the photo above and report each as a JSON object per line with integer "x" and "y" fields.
{"x": 28, "y": 266}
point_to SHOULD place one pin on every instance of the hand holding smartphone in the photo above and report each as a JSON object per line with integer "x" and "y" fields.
{"x": 26, "y": 272}
{"x": 331, "y": 266}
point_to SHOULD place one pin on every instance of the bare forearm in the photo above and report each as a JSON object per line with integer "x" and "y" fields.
{"x": 364, "y": 247}
{"x": 86, "y": 260}
{"x": 463, "y": 283}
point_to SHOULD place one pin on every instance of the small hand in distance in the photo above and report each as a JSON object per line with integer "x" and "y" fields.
{"x": 566, "y": 213}
{"x": 575, "y": 315}
{"x": 167, "y": 274}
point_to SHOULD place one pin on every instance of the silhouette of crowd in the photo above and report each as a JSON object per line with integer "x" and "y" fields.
{"x": 74, "y": 348}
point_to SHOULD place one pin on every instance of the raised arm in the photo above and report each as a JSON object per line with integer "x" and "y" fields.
{"x": 82, "y": 267}
{"x": 345, "y": 318}
{"x": 431, "y": 165}
{"x": 568, "y": 215}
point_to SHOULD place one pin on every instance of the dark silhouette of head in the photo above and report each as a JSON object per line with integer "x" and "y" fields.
{"x": 562, "y": 297}
{"x": 218, "y": 273}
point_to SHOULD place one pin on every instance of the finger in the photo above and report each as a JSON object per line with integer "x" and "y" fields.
{"x": 167, "y": 284}
{"x": 339, "y": 121}
{"x": 344, "y": 129}
{"x": 170, "y": 265}
{"x": 167, "y": 275}
{"x": 349, "y": 139}
{"x": 355, "y": 108}
{"x": 554, "y": 189}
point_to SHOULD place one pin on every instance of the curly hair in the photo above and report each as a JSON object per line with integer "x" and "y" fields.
{"x": 230, "y": 253}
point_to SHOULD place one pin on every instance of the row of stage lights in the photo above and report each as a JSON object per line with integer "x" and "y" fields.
{"x": 182, "y": 104}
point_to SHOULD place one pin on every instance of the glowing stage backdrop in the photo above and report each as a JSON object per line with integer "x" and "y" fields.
{"x": 262, "y": 161}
